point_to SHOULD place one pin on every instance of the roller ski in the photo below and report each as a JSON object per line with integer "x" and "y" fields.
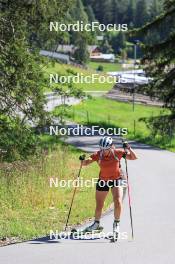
{"x": 95, "y": 228}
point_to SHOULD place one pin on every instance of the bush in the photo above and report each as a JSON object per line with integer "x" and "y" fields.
{"x": 100, "y": 68}
{"x": 17, "y": 141}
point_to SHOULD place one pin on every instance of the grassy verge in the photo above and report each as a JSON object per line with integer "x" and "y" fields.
{"x": 102, "y": 111}
{"x": 69, "y": 70}
{"x": 29, "y": 207}
{"x": 107, "y": 66}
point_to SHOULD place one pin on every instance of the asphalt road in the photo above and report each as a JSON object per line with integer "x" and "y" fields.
{"x": 54, "y": 100}
{"x": 152, "y": 180}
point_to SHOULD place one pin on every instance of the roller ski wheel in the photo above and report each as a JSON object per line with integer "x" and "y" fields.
{"x": 73, "y": 232}
{"x": 114, "y": 238}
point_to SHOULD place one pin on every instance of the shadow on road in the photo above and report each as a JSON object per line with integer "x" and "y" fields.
{"x": 47, "y": 239}
{"x": 43, "y": 240}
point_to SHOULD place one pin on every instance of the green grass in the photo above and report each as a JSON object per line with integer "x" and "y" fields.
{"x": 102, "y": 111}
{"x": 107, "y": 66}
{"x": 62, "y": 70}
{"x": 30, "y": 208}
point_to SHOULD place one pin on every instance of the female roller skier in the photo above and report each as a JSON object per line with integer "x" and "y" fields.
{"x": 108, "y": 159}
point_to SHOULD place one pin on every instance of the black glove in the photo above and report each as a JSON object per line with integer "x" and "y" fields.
{"x": 126, "y": 145}
{"x": 82, "y": 157}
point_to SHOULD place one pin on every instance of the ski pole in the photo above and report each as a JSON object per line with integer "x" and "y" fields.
{"x": 129, "y": 196}
{"x": 81, "y": 158}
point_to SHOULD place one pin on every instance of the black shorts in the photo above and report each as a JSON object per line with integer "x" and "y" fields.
{"x": 105, "y": 185}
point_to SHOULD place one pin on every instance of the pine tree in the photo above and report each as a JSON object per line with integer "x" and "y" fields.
{"x": 131, "y": 13}
{"x": 78, "y": 38}
{"x": 159, "y": 64}
{"x": 77, "y": 12}
{"x": 122, "y": 11}
{"x": 104, "y": 12}
{"x": 90, "y": 13}
{"x": 114, "y": 11}
{"x": 159, "y": 57}
{"x": 141, "y": 13}
{"x": 155, "y": 9}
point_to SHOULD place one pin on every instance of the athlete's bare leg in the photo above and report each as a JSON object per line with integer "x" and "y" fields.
{"x": 100, "y": 198}
{"x": 117, "y": 193}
